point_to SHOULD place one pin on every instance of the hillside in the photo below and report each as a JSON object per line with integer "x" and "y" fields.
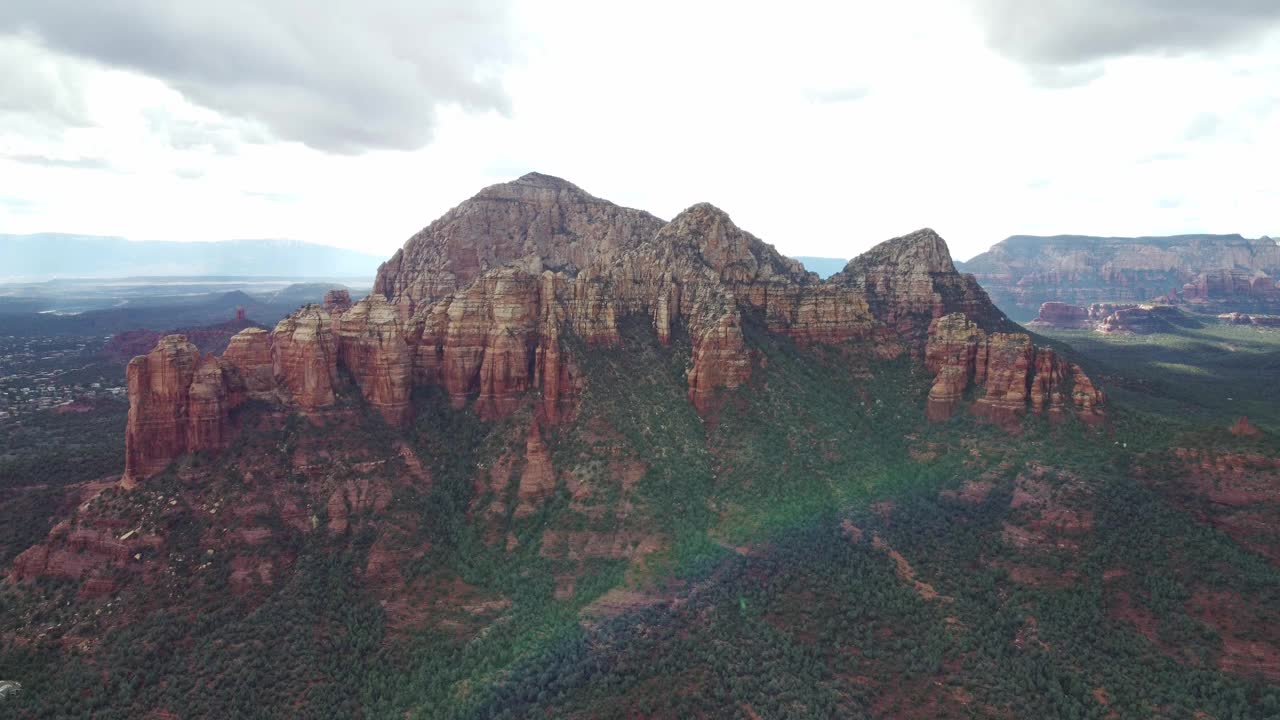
{"x": 573, "y": 460}
{"x": 1024, "y": 271}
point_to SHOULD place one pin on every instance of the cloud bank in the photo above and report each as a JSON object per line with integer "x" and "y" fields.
{"x": 1078, "y": 32}
{"x": 337, "y": 76}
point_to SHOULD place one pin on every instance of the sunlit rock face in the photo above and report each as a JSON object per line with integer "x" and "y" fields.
{"x": 373, "y": 346}
{"x": 1022, "y": 272}
{"x": 304, "y": 355}
{"x": 180, "y": 402}
{"x": 493, "y": 301}
{"x": 1012, "y": 376}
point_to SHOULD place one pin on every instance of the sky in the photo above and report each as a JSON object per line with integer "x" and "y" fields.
{"x": 821, "y": 127}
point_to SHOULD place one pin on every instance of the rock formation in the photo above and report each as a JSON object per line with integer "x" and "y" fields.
{"x": 1062, "y": 315}
{"x": 373, "y": 346}
{"x": 337, "y": 301}
{"x": 1013, "y": 377}
{"x": 180, "y": 402}
{"x": 1109, "y": 317}
{"x": 910, "y": 281}
{"x": 250, "y": 352}
{"x": 537, "y": 478}
{"x": 1243, "y": 428}
{"x": 1232, "y": 284}
{"x": 492, "y": 301}
{"x": 1023, "y": 272}
{"x": 538, "y": 222}
{"x": 1238, "y": 318}
{"x": 1142, "y": 320}
{"x": 304, "y": 354}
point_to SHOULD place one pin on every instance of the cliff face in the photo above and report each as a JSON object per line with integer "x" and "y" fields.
{"x": 372, "y": 344}
{"x": 1023, "y": 272}
{"x": 1110, "y": 317}
{"x": 911, "y": 280}
{"x": 536, "y": 221}
{"x": 492, "y": 301}
{"x": 304, "y": 354}
{"x": 1233, "y": 285}
{"x": 179, "y": 402}
{"x": 250, "y": 352}
{"x": 1011, "y": 377}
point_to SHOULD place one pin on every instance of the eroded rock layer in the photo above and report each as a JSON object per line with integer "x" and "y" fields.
{"x": 180, "y": 402}
{"x": 1022, "y": 272}
{"x": 492, "y": 301}
{"x": 1009, "y": 374}
{"x": 1110, "y": 317}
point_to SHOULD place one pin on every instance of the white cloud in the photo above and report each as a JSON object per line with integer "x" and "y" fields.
{"x": 40, "y": 93}
{"x": 823, "y": 129}
{"x": 1072, "y": 32}
{"x": 337, "y": 75}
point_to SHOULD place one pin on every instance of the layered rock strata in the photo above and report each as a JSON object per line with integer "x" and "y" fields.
{"x": 1007, "y": 373}
{"x": 373, "y": 346}
{"x": 304, "y": 355}
{"x": 1022, "y": 272}
{"x": 1062, "y": 315}
{"x": 180, "y": 401}
{"x": 1233, "y": 284}
{"x": 1109, "y": 317}
{"x": 492, "y": 302}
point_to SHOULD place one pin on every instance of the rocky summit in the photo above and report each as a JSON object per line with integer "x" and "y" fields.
{"x": 496, "y": 299}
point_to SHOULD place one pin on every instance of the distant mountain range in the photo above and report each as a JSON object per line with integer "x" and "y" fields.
{"x": 1023, "y": 271}
{"x": 55, "y": 255}
{"x": 825, "y": 267}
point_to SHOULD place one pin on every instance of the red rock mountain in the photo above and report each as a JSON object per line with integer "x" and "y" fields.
{"x": 1110, "y": 317}
{"x": 1022, "y": 272}
{"x": 484, "y": 301}
{"x": 1014, "y": 374}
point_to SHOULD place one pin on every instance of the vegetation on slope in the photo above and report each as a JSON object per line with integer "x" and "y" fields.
{"x": 822, "y": 552}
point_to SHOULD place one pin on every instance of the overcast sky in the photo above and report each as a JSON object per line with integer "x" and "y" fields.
{"x": 821, "y": 127}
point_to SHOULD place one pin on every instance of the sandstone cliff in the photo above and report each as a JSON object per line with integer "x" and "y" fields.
{"x": 1248, "y": 286}
{"x": 492, "y": 301}
{"x": 1110, "y": 317}
{"x": 1023, "y": 272}
{"x": 1011, "y": 377}
{"x": 911, "y": 280}
{"x": 304, "y": 353}
{"x": 536, "y": 221}
{"x": 373, "y": 346}
{"x": 179, "y": 402}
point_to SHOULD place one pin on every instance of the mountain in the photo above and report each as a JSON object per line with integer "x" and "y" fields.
{"x": 824, "y": 267}
{"x": 1024, "y": 271}
{"x": 569, "y": 459}
{"x": 481, "y": 301}
{"x": 54, "y": 255}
